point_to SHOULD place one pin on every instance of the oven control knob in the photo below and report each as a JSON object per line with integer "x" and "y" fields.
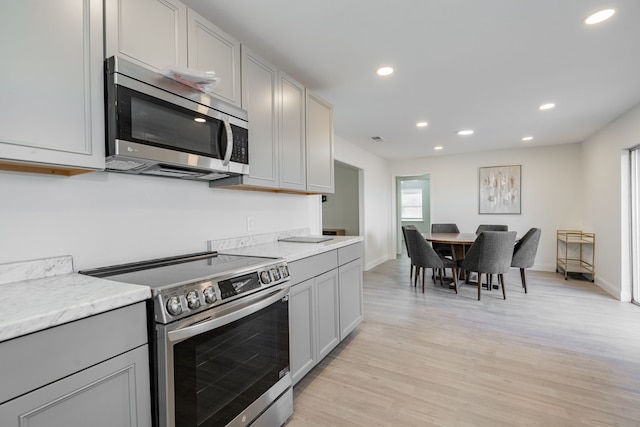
{"x": 174, "y": 306}
{"x": 275, "y": 273}
{"x": 284, "y": 271}
{"x": 210, "y": 295}
{"x": 264, "y": 277}
{"x": 193, "y": 300}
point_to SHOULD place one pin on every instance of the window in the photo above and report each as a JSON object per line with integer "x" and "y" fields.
{"x": 411, "y": 199}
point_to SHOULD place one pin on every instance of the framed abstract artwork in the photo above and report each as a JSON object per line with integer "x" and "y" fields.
{"x": 499, "y": 189}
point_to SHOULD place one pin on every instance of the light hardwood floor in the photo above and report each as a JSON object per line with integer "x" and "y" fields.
{"x": 565, "y": 354}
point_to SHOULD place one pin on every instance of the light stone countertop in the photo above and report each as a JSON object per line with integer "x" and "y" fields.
{"x": 39, "y": 294}
{"x": 51, "y": 296}
{"x": 293, "y": 251}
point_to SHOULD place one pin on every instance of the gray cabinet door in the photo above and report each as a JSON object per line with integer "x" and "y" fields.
{"x": 259, "y": 96}
{"x": 52, "y": 102}
{"x": 319, "y": 145}
{"x": 302, "y": 335}
{"x": 327, "y": 308}
{"x": 351, "y": 307}
{"x": 112, "y": 393}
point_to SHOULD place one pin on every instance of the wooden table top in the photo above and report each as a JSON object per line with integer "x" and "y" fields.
{"x": 451, "y": 238}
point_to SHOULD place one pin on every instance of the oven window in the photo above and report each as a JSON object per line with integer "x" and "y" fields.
{"x": 220, "y": 373}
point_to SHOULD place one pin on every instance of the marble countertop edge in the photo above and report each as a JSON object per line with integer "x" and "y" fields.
{"x": 293, "y": 251}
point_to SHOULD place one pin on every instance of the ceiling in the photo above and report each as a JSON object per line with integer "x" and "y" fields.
{"x": 484, "y": 65}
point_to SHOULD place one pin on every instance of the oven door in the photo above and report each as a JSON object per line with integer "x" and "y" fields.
{"x": 225, "y": 366}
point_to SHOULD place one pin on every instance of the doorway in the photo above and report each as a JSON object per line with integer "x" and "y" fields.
{"x": 341, "y": 211}
{"x": 413, "y": 204}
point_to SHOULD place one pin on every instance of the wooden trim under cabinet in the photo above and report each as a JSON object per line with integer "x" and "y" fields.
{"x": 41, "y": 169}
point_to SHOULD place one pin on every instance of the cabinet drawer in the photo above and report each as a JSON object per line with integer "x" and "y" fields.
{"x": 306, "y": 268}
{"x": 349, "y": 253}
{"x": 40, "y": 358}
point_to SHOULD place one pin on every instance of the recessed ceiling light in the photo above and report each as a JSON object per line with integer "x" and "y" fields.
{"x": 465, "y": 132}
{"x": 527, "y": 138}
{"x": 385, "y": 71}
{"x": 422, "y": 124}
{"x": 439, "y": 147}
{"x": 599, "y": 16}
{"x": 199, "y": 120}
{"x": 547, "y": 106}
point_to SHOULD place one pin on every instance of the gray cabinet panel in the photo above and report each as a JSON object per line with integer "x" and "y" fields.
{"x": 319, "y": 145}
{"x": 259, "y": 96}
{"x": 309, "y": 267}
{"x": 112, "y": 393}
{"x": 52, "y": 98}
{"x": 302, "y": 325}
{"x": 37, "y": 359}
{"x": 349, "y": 253}
{"x": 351, "y": 305}
{"x": 327, "y": 312}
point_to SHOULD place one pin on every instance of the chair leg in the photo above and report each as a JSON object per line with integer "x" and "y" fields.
{"x": 501, "y": 280}
{"x": 441, "y": 271}
{"x": 455, "y": 279}
{"x": 479, "y": 284}
{"x": 424, "y": 270}
{"x": 524, "y": 280}
{"x": 415, "y": 276}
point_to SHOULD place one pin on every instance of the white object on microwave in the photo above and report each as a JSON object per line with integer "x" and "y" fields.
{"x": 204, "y": 81}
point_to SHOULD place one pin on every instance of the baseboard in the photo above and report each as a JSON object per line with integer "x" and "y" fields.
{"x": 375, "y": 263}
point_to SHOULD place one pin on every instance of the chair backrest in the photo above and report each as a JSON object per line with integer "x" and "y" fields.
{"x": 444, "y": 228}
{"x": 422, "y": 254}
{"x": 404, "y": 234}
{"x": 491, "y": 227}
{"x": 524, "y": 253}
{"x": 491, "y": 252}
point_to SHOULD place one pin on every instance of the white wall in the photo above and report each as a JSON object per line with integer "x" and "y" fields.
{"x": 106, "y": 218}
{"x": 552, "y": 191}
{"x": 376, "y": 223}
{"x": 606, "y": 209}
{"x": 341, "y": 209}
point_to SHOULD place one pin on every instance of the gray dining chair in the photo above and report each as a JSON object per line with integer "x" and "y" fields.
{"x": 423, "y": 256}
{"x": 524, "y": 253}
{"x": 406, "y": 245}
{"x": 491, "y": 253}
{"x": 442, "y": 248}
{"x": 491, "y": 227}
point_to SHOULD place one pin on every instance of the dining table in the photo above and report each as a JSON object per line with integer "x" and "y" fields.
{"x": 459, "y": 242}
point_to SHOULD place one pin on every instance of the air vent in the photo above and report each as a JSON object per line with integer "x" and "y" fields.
{"x": 377, "y": 139}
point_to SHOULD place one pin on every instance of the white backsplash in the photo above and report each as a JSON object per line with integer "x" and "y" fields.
{"x": 256, "y": 239}
{"x": 35, "y": 269}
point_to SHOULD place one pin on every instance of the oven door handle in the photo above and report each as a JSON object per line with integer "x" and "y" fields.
{"x": 216, "y": 322}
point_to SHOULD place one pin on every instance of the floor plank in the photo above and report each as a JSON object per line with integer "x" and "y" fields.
{"x": 565, "y": 354}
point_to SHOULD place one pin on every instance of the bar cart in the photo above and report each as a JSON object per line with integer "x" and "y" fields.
{"x": 575, "y": 252}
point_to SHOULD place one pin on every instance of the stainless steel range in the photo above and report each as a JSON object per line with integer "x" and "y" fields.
{"x": 220, "y": 338}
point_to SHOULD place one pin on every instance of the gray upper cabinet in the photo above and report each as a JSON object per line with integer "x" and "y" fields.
{"x": 162, "y": 33}
{"x": 260, "y": 99}
{"x": 52, "y": 103}
{"x": 211, "y": 49}
{"x": 319, "y": 145}
{"x": 152, "y": 33}
{"x": 293, "y": 170}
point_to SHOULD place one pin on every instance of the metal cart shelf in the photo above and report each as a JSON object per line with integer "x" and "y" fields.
{"x": 575, "y": 252}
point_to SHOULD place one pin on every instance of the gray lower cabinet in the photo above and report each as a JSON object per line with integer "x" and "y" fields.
{"x": 93, "y": 371}
{"x": 351, "y": 305}
{"x": 325, "y": 305}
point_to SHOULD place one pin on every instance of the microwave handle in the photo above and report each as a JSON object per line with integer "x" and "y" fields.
{"x": 227, "y": 127}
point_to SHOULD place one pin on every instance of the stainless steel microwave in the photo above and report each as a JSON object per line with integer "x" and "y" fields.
{"x": 158, "y": 126}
